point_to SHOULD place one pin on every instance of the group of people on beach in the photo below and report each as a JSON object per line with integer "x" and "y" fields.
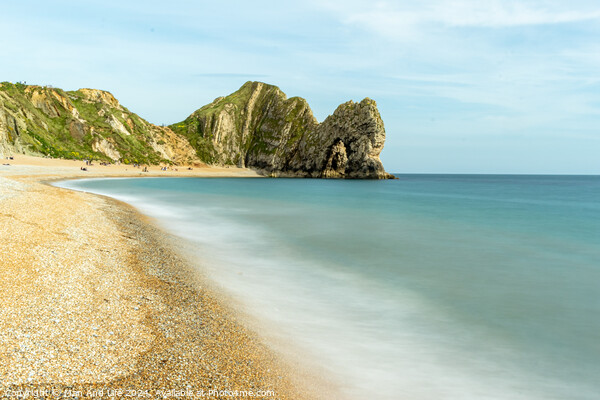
{"x": 8, "y": 158}
{"x": 87, "y": 162}
{"x": 135, "y": 165}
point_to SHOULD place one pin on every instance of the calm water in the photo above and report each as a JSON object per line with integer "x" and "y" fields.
{"x": 427, "y": 287}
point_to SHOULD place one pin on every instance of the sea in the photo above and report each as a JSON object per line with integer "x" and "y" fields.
{"x": 424, "y": 287}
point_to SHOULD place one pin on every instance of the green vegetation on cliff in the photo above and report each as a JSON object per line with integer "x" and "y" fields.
{"x": 82, "y": 124}
{"x": 246, "y": 122}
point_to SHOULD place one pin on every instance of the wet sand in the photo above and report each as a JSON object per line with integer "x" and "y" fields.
{"x": 95, "y": 300}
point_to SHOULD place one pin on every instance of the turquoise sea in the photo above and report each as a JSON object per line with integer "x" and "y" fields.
{"x": 425, "y": 287}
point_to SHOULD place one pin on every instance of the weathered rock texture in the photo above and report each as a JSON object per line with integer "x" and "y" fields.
{"x": 86, "y": 123}
{"x": 256, "y": 127}
{"x": 259, "y": 127}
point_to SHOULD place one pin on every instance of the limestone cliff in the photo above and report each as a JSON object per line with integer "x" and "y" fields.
{"x": 86, "y": 123}
{"x": 259, "y": 127}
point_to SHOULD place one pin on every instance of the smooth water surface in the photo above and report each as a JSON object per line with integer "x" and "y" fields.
{"x": 426, "y": 287}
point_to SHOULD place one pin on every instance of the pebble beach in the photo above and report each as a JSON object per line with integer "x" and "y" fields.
{"x": 95, "y": 302}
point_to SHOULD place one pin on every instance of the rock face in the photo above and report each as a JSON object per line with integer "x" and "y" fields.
{"x": 86, "y": 123}
{"x": 256, "y": 127}
{"x": 259, "y": 127}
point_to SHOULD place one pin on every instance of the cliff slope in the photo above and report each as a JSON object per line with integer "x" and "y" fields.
{"x": 259, "y": 127}
{"x": 86, "y": 123}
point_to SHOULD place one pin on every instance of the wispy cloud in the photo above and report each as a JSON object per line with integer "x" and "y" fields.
{"x": 397, "y": 20}
{"x": 228, "y": 75}
{"x": 508, "y": 13}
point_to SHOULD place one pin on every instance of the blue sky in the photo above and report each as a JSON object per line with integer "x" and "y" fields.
{"x": 463, "y": 86}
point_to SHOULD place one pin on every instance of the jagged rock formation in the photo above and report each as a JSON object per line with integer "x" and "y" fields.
{"x": 86, "y": 123}
{"x": 256, "y": 127}
{"x": 259, "y": 127}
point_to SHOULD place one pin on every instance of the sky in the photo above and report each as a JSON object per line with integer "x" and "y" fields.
{"x": 463, "y": 86}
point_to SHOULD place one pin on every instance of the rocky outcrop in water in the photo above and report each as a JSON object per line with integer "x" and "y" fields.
{"x": 259, "y": 127}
